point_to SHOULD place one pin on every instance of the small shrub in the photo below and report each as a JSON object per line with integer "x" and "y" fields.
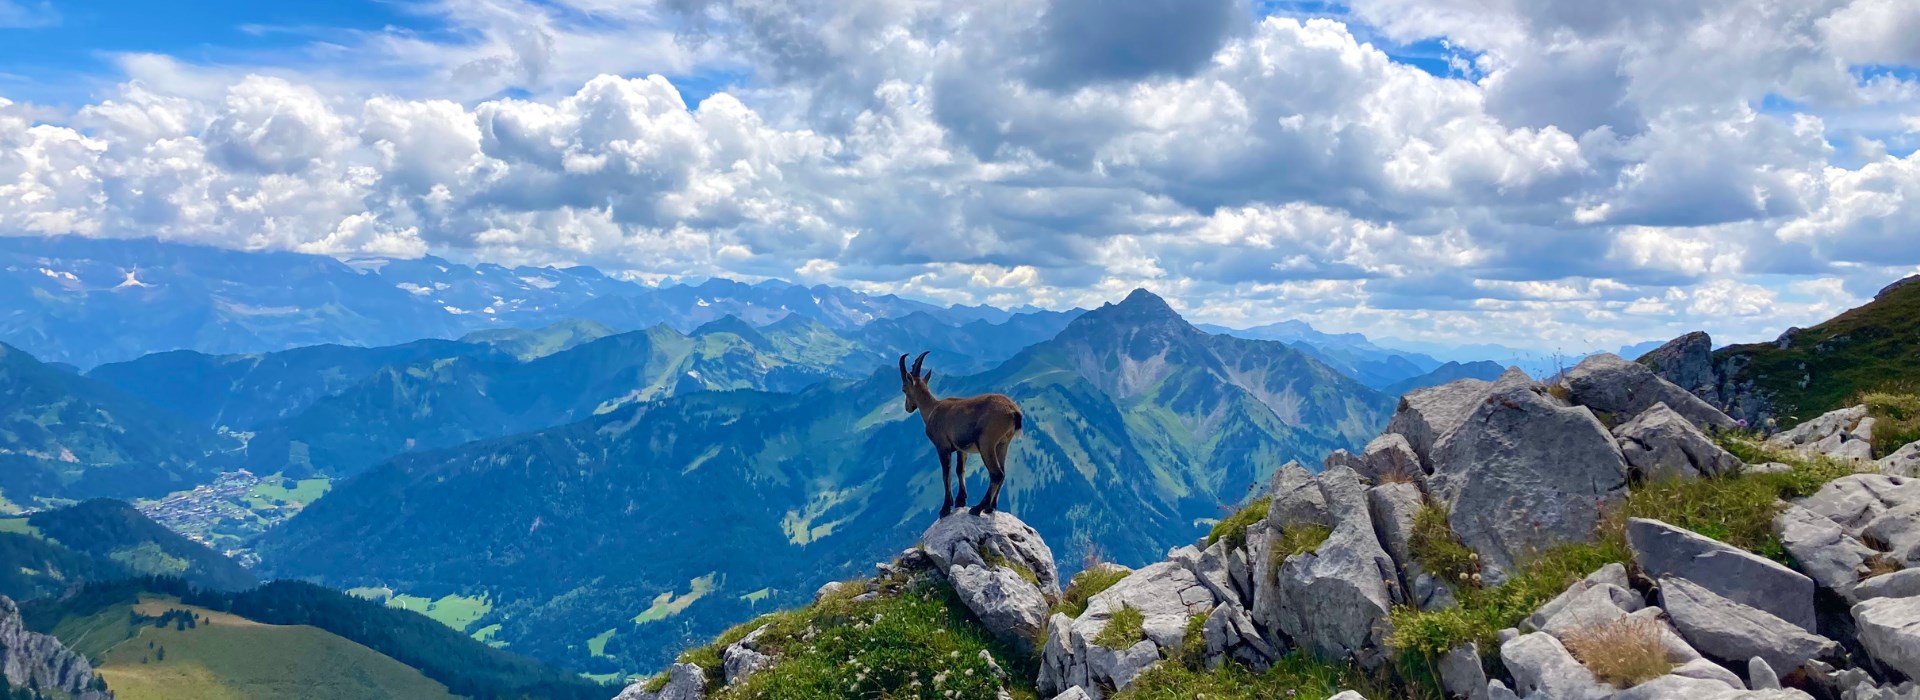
{"x": 1234, "y": 528}
{"x": 1440, "y": 553}
{"x": 1625, "y": 652}
{"x": 1125, "y": 629}
{"x": 1085, "y": 585}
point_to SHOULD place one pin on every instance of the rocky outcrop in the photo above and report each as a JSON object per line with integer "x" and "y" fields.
{"x": 1845, "y": 433}
{"x": 1543, "y": 668}
{"x": 1391, "y": 458}
{"x": 1824, "y": 550}
{"x": 31, "y": 659}
{"x": 1334, "y": 600}
{"x": 1394, "y": 507}
{"x": 1001, "y": 570}
{"x": 1663, "y": 550}
{"x": 1427, "y": 415}
{"x": 1687, "y": 362}
{"x": 684, "y": 682}
{"x": 1731, "y": 632}
{"x": 1611, "y": 386}
{"x": 1165, "y": 597}
{"x": 1659, "y": 443}
{"x": 1903, "y": 462}
{"x": 1524, "y": 472}
{"x": 743, "y": 658}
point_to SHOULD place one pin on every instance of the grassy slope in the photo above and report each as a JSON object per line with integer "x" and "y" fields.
{"x": 1875, "y": 347}
{"x": 233, "y": 657}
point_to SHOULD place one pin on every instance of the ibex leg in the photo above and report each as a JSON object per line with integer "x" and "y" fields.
{"x": 960, "y": 475}
{"x": 946, "y": 482}
{"x": 996, "y": 473}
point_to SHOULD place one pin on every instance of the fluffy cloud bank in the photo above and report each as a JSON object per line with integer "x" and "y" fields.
{"x": 1575, "y": 178}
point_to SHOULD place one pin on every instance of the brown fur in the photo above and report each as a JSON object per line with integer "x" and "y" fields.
{"x": 982, "y": 424}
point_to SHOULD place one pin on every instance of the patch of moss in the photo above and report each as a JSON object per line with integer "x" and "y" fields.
{"x": 1124, "y": 629}
{"x": 1234, "y": 528}
{"x": 1085, "y": 585}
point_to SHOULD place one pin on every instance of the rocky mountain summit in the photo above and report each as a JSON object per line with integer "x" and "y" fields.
{"x": 1607, "y": 535}
{"x": 31, "y": 660}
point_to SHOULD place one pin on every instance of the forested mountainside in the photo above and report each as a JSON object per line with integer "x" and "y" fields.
{"x": 658, "y": 522}
{"x": 63, "y": 436}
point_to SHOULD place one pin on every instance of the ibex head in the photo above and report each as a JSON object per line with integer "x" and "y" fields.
{"x": 913, "y": 383}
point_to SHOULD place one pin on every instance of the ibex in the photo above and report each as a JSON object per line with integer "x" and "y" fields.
{"x": 985, "y": 424}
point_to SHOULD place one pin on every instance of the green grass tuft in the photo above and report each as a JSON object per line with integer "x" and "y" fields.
{"x": 1124, "y": 629}
{"x": 993, "y": 558}
{"x": 1296, "y": 675}
{"x": 1085, "y": 585}
{"x": 1234, "y": 528}
{"x": 1896, "y": 420}
{"x": 1193, "y": 647}
{"x": 1300, "y": 539}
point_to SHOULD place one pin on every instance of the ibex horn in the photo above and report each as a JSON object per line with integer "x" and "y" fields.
{"x": 903, "y": 366}
{"x": 917, "y": 361}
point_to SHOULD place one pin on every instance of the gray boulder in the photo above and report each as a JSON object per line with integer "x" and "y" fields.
{"x": 1613, "y": 386}
{"x": 1833, "y": 434}
{"x": 1232, "y": 637}
{"x": 1427, "y": 415}
{"x": 1830, "y": 556}
{"x": 32, "y": 659}
{"x": 1903, "y": 462}
{"x": 1663, "y": 550}
{"x": 1889, "y": 629}
{"x": 743, "y": 658}
{"x": 1613, "y": 576}
{"x": 1660, "y": 443}
{"x": 1394, "y": 507}
{"x": 1525, "y": 473}
{"x": 1296, "y": 497}
{"x": 1541, "y": 667}
{"x": 1073, "y": 693}
{"x": 1009, "y": 606}
{"x": 1335, "y": 599}
{"x": 964, "y": 538}
{"x": 1678, "y": 687}
{"x": 684, "y": 682}
{"x": 1390, "y": 458}
{"x": 1461, "y": 674}
{"x": 1853, "y": 501}
{"x": 1731, "y": 632}
{"x": 1166, "y": 594}
{"x": 1702, "y": 669}
{"x": 1593, "y": 607}
{"x": 1687, "y": 361}
{"x": 1760, "y": 676}
{"x": 1904, "y": 583}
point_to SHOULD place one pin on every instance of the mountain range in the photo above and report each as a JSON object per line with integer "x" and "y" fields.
{"x": 666, "y": 520}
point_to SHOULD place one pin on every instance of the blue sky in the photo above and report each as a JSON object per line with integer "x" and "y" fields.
{"x": 1539, "y": 174}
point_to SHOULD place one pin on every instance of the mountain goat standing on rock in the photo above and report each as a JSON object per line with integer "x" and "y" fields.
{"x": 985, "y": 424}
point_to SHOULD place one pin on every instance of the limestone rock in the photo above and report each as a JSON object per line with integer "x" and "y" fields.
{"x": 1610, "y": 385}
{"x": 1889, "y": 629}
{"x": 1427, "y": 415}
{"x": 1006, "y": 604}
{"x": 1612, "y": 575}
{"x": 1903, "y": 462}
{"x": 1167, "y": 595}
{"x": 1904, "y": 583}
{"x": 1073, "y": 693}
{"x": 30, "y": 658}
{"x": 1389, "y": 458}
{"x": 1660, "y": 443}
{"x": 1702, "y": 669}
{"x": 1687, "y": 361}
{"x": 1853, "y": 501}
{"x": 1347, "y": 695}
{"x": 1832, "y": 434}
{"x": 1296, "y": 497}
{"x": 1461, "y": 674}
{"x": 1663, "y": 550}
{"x": 1541, "y": 667}
{"x": 1729, "y": 631}
{"x": 1231, "y": 636}
{"x": 1335, "y": 599}
{"x": 1760, "y": 676}
{"x": 1677, "y": 687}
{"x": 1595, "y": 606}
{"x": 1525, "y": 473}
{"x": 684, "y": 682}
{"x": 1830, "y": 556}
{"x": 743, "y": 658}
{"x": 964, "y": 538}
